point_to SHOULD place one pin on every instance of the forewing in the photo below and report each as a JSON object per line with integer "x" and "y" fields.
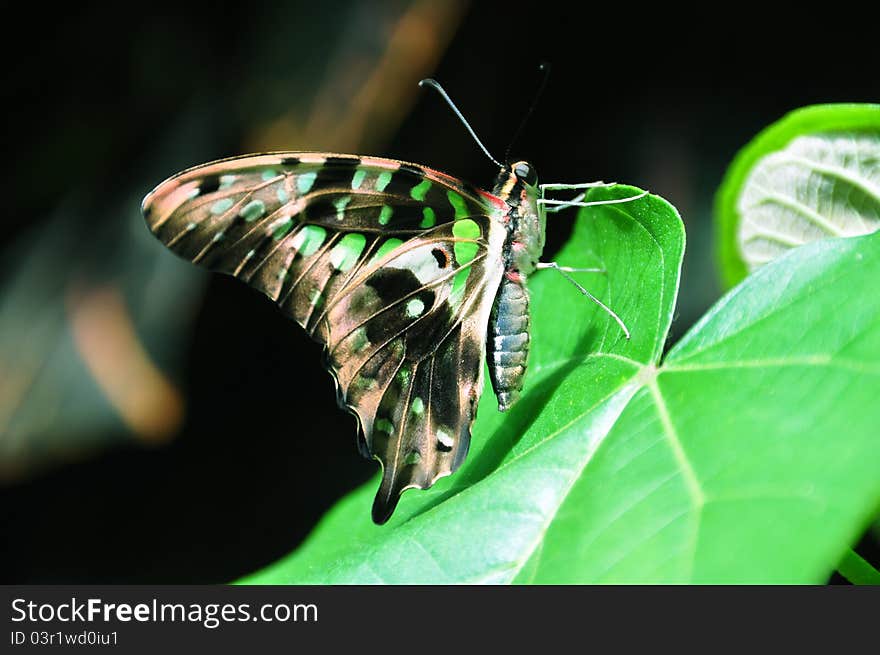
{"x": 392, "y": 266}
{"x": 298, "y": 226}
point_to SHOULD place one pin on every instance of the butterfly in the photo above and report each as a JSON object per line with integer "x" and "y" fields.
{"x": 408, "y": 276}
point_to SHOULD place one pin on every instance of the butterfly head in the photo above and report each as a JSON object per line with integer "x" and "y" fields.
{"x": 525, "y": 173}
{"x": 517, "y": 185}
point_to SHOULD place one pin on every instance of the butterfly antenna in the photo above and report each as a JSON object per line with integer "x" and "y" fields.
{"x": 545, "y": 67}
{"x": 434, "y": 84}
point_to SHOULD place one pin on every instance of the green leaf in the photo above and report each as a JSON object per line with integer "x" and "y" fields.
{"x": 753, "y": 455}
{"x": 813, "y": 174}
{"x": 749, "y": 456}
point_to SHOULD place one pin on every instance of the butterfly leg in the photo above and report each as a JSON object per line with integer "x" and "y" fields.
{"x": 570, "y": 187}
{"x": 581, "y": 185}
{"x": 552, "y": 209}
{"x": 569, "y": 269}
{"x": 575, "y": 202}
{"x": 564, "y": 270}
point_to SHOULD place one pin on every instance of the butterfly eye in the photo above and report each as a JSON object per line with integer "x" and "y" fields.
{"x": 526, "y": 172}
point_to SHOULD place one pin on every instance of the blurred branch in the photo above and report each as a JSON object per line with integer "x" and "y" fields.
{"x": 369, "y": 87}
{"x": 105, "y": 337}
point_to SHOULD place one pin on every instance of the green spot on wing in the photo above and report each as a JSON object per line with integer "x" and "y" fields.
{"x": 465, "y": 251}
{"x": 221, "y": 206}
{"x": 419, "y": 191}
{"x": 281, "y": 193}
{"x": 466, "y": 229}
{"x": 305, "y": 181}
{"x": 430, "y": 218}
{"x": 357, "y": 179}
{"x": 385, "y": 214}
{"x": 269, "y": 174}
{"x": 383, "y": 180}
{"x": 282, "y": 230}
{"x": 359, "y": 339}
{"x": 363, "y": 383}
{"x": 309, "y": 239}
{"x": 412, "y": 458}
{"x": 384, "y": 425}
{"x": 418, "y": 406}
{"x": 252, "y": 211}
{"x": 385, "y": 248}
{"x": 458, "y": 204}
{"x": 458, "y": 286}
{"x": 226, "y": 181}
{"x": 345, "y": 253}
{"x": 340, "y": 205}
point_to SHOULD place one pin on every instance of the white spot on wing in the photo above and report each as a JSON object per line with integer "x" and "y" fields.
{"x": 444, "y": 439}
{"x": 414, "y": 308}
{"x": 426, "y": 269}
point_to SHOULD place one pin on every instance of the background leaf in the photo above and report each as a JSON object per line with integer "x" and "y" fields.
{"x": 813, "y": 174}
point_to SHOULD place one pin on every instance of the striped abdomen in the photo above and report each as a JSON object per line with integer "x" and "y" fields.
{"x": 508, "y": 341}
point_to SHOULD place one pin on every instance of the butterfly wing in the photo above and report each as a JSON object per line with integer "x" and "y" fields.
{"x": 393, "y": 267}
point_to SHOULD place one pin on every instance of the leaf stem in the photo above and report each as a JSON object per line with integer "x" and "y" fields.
{"x": 857, "y": 570}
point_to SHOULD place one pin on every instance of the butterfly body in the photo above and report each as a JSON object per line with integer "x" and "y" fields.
{"x": 406, "y": 275}
{"x": 509, "y": 334}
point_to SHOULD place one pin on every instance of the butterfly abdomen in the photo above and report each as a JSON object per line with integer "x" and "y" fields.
{"x": 508, "y": 340}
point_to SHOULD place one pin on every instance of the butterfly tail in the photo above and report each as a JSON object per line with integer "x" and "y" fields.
{"x": 395, "y": 482}
{"x": 385, "y": 503}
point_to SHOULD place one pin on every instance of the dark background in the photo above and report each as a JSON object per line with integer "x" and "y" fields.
{"x": 103, "y": 102}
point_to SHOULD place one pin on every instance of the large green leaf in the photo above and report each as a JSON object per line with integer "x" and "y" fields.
{"x": 750, "y": 456}
{"x": 753, "y": 454}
